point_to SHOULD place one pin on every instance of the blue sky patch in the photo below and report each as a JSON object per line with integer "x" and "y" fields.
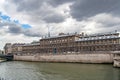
{"x": 16, "y": 21}
{"x": 26, "y": 26}
{"x": 6, "y": 18}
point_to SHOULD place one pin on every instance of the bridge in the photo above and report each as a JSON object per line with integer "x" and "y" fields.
{"x": 8, "y": 57}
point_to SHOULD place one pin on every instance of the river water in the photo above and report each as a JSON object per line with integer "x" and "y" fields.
{"x": 18, "y": 70}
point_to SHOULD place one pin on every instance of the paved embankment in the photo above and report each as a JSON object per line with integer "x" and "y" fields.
{"x": 82, "y": 58}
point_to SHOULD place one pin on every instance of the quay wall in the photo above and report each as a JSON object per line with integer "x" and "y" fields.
{"x": 116, "y": 60}
{"x": 81, "y": 58}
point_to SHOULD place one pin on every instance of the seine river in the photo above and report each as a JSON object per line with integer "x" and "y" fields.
{"x": 18, "y": 70}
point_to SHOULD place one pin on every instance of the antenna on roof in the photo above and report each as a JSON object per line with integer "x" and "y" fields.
{"x": 48, "y": 31}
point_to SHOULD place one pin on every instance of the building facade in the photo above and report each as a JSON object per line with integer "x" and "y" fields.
{"x": 68, "y": 44}
{"x": 8, "y": 48}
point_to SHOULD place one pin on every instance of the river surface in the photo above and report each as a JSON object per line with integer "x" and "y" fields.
{"x": 18, "y": 70}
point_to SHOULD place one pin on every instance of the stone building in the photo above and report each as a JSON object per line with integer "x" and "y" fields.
{"x": 68, "y": 44}
{"x": 8, "y": 48}
{"x": 15, "y": 48}
{"x": 76, "y": 43}
{"x": 58, "y": 44}
{"x": 98, "y": 42}
{"x": 31, "y": 49}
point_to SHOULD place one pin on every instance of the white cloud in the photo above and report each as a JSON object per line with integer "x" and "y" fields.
{"x": 41, "y": 13}
{"x": 9, "y": 38}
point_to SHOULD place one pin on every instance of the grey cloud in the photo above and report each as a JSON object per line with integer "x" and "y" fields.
{"x": 111, "y": 29}
{"x": 17, "y": 29}
{"x": 59, "y": 2}
{"x": 28, "y": 5}
{"x": 40, "y": 9}
{"x": 82, "y": 9}
{"x": 110, "y": 24}
{"x": 14, "y": 29}
{"x": 31, "y": 33}
{"x": 37, "y": 3}
{"x": 43, "y": 10}
{"x": 53, "y": 18}
{"x": 1, "y": 24}
{"x": 107, "y": 20}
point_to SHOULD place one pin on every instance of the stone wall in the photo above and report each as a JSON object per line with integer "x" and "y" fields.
{"x": 116, "y": 60}
{"x": 82, "y": 58}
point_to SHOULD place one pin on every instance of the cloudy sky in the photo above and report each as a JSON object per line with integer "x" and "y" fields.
{"x": 28, "y": 20}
